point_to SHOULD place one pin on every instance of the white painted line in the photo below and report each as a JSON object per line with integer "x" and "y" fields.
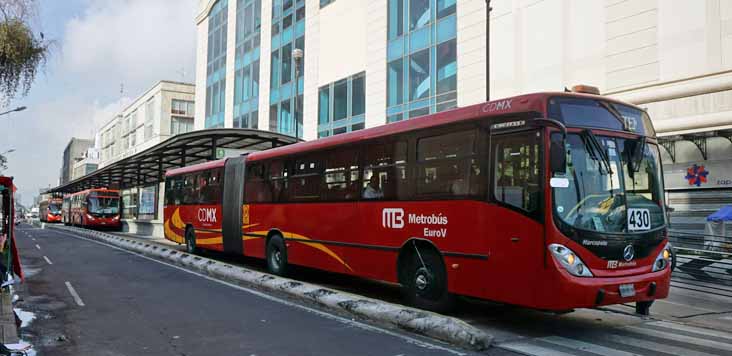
{"x": 654, "y": 346}
{"x": 415, "y": 341}
{"x": 76, "y": 296}
{"x": 681, "y": 338}
{"x": 686, "y": 305}
{"x": 691, "y": 329}
{"x": 526, "y": 348}
{"x": 38, "y": 247}
{"x": 47, "y": 260}
{"x": 585, "y": 346}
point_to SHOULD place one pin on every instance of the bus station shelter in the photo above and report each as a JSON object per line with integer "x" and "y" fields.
{"x": 141, "y": 177}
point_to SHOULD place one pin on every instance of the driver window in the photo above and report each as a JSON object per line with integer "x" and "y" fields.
{"x": 516, "y": 170}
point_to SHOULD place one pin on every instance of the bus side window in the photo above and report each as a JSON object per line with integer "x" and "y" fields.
{"x": 385, "y": 171}
{"x": 278, "y": 181}
{"x": 341, "y": 175}
{"x": 516, "y": 170}
{"x": 447, "y": 164}
{"x": 305, "y": 183}
{"x": 257, "y": 189}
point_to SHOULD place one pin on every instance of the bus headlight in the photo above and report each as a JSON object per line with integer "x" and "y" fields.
{"x": 569, "y": 260}
{"x": 663, "y": 259}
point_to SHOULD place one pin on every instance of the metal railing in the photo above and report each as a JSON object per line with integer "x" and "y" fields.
{"x": 703, "y": 262}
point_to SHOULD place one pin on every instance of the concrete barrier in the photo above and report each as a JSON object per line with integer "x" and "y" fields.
{"x": 385, "y": 314}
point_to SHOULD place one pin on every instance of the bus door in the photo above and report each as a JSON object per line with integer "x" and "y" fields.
{"x": 518, "y": 233}
{"x": 232, "y": 204}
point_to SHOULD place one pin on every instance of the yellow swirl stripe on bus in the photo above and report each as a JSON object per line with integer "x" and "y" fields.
{"x": 171, "y": 234}
{"x": 177, "y": 221}
{"x": 210, "y": 241}
{"x": 315, "y": 245}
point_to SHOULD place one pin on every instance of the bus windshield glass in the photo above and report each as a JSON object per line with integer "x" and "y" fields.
{"x": 103, "y": 205}
{"x": 626, "y": 198}
{"x": 54, "y": 208}
{"x": 581, "y": 112}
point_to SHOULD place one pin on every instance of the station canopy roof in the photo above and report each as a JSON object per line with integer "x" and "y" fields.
{"x": 149, "y": 166}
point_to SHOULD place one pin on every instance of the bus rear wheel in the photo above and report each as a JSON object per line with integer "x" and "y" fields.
{"x": 191, "y": 241}
{"x": 277, "y": 256}
{"x": 425, "y": 281}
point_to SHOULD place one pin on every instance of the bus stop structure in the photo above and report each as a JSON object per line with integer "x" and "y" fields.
{"x": 147, "y": 168}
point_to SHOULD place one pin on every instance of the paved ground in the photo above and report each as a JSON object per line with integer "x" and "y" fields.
{"x": 688, "y": 323}
{"x": 92, "y": 299}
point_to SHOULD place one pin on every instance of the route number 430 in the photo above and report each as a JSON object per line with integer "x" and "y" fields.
{"x": 639, "y": 219}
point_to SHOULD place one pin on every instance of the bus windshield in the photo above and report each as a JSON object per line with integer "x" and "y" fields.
{"x": 627, "y": 197}
{"x": 54, "y": 208}
{"x": 103, "y": 205}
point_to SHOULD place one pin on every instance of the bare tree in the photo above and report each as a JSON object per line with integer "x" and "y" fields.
{"x": 22, "y": 53}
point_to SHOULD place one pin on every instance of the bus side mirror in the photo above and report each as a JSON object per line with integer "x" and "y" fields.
{"x": 557, "y": 156}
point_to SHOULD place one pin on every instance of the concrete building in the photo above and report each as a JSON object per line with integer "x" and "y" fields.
{"x": 367, "y": 63}
{"x": 73, "y": 152}
{"x": 163, "y": 111}
{"x": 88, "y": 163}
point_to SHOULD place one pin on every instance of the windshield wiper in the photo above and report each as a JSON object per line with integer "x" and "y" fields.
{"x": 615, "y": 113}
{"x": 636, "y": 156}
{"x": 596, "y": 151}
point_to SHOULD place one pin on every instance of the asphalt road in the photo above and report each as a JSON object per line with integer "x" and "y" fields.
{"x": 92, "y": 299}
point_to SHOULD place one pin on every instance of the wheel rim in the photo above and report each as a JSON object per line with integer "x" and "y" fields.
{"x": 276, "y": 258}
{"x": 189, "y": 243}
{"x": 424, "y": 282}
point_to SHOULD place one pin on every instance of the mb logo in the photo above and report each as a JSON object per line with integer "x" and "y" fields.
{"x": 392, "y": 218}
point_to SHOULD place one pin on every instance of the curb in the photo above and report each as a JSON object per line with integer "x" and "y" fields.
{"x": 444, "y": 328}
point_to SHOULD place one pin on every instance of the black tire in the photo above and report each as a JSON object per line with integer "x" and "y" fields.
{"x": 277, "y": 256}
{"x": 643, "y": 308}
{"x": 425, "y": 281}
{"x": 191, "y": 241}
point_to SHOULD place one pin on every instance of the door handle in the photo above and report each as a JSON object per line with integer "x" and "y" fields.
{"x": 515, "y": 239}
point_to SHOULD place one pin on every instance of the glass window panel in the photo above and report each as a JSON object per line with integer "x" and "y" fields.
{"x": 254, "y": 120}
{"x": 275, "y": 28}
{"x": 286, "y": 23}
{"x": 246, "y": 83}
{"x": 286, "y": 117}
{"x": 324, "y": 105}
{"x": 286, "y": 63}
{"x": 419, "y": 39}
{"x": 300, "y": 43}
{"x": 248, "y": 19}
{"x": 275, "y": 82}
{"x": 419, "y": 13}
{"x": 255, "y": 79}
{"x": 273, "y": 115}
{"x": 359, "y": 126}
{"x": 300, "y": 14}
{"x": 446, "y": 29}
{"x": 419, "y": 75}
{"x": 340, "y": 100}
{"x": 286, "y": 5}
{"x": 445, "y": 8}
{"x": 395, "y": 82}
{"x": 358, "y": 101}
{"x": 396, "y": 18}
{"x": 340, "y": 130}
{"x": 419, "y": 112}
{"x": 446, "y": 67}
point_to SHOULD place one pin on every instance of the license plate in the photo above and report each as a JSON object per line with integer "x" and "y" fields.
{"x": 627, "y": 290}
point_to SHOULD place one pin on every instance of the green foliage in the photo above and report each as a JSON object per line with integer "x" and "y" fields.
{"x": 21, "y": 53}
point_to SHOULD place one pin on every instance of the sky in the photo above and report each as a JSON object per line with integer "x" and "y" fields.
{"x": 105, "y": 53}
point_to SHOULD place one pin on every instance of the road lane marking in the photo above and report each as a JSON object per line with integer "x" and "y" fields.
{"x": 686, "y": 306}
{"x": 47, "y": 260}
{"x": 530, "y": 349}
{"x": 416, "y": 341}
{"x": 585, "y": 346}
{"x": 38, "y": 247}
{"x": 654, "y": 346}
{"x": 691, "y": 329}
{"x": 681, "y": 338}
{"x": 76, "y": 296}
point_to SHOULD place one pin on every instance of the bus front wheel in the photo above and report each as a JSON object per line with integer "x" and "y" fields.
{"x": 191, "y": 241}
{"x": 277, "y": 256}
{"x": 425, "y": 281}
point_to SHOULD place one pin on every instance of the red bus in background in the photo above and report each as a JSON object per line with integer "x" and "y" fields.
{"x": 49, "y": 211}
{"x": 7, "y": 226}
{"x": 95, "y": 208}
{"x": 551, "y": 201}
{"x": 66, "y": 210}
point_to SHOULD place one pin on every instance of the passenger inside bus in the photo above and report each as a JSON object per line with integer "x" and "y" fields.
{"x": 373, "y": 188}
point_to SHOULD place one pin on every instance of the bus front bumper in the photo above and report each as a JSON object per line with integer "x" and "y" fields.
{"x": 566, "y": 291}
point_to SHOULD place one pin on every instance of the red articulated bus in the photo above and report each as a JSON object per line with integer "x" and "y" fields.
{"x": 551, "y": 201}
{"x": 95, "y": 208}
{"x": 7, "y": 226}
{"x": 49, "y": 211}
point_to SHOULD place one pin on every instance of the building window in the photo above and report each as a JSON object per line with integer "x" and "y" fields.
{"x": 216, "y": 65}
{"x": 149, "y": 117}
{"x": 182, "y": 107}
{"x": 180, "y": 125}
{"x": 421, "y": 58}
{"x": 288, "y": 34}
{"x": 246, "y": 79}
{"x": 324, "y": 3}
{"x": 341, "y": 106}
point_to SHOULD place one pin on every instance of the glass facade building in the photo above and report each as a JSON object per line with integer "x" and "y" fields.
{"x": 342, "y": 106}
{"x": 288, "y": 33}
{"x": 216, "y": 65}
{"x": 246, "y": 80}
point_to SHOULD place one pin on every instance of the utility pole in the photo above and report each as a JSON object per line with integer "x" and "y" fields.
{"x": 488, "y": 50}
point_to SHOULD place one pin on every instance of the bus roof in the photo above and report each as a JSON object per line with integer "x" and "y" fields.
{"x": 105, "y": 190}
{"x": 196, "y": 167}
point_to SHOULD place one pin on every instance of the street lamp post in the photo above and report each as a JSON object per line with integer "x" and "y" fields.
{"x": 19, "y": 108}
{"x": 488, "y": 50}
{"x": 297, "y": 55}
